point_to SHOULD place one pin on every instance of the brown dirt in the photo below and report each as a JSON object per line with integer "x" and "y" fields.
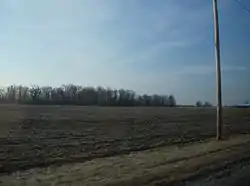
{"x": 161, "y": 166}
{"x": 35, "y": 136}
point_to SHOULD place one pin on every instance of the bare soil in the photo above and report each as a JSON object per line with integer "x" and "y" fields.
{"x": 36, "y": 136}
{"x": 161, "y": 166}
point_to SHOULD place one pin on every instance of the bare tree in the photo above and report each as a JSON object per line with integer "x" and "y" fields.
{"x": 35, "y": 92}
{"x": 172, "y": 101}
{"x": 199, "y": 104}
{"x": 72, "y": 94}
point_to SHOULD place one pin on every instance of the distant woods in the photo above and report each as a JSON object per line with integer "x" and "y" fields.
{"x": 78, "y": 95}
{"x": 205, "y": 104}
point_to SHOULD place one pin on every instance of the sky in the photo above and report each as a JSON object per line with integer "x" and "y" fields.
{"x": 161, "y": 46}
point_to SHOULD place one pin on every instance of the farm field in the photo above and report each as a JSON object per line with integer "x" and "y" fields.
{"x": 35, "y": 136}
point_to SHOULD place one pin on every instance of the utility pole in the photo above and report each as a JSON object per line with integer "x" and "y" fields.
{"x": 219, "y": 121}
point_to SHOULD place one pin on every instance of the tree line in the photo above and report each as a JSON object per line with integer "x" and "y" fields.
{"x": 79, "y": 95}
{"x": 205, "y": 104}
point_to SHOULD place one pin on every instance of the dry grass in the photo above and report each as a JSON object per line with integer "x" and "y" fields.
{"x": 33, "y": 136}
{"x": 152, "y": 167}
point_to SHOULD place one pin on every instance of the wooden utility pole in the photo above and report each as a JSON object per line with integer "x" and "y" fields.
{"x": 218, "y": 71}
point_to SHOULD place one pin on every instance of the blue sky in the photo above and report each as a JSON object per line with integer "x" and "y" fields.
{"x": 161, "y": 46}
